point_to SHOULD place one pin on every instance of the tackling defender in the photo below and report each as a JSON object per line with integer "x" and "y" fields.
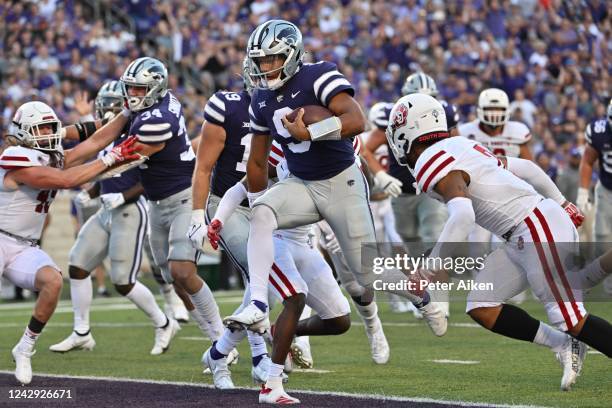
{"x": 31, "y": 172}
{"x": 478, "y": 189}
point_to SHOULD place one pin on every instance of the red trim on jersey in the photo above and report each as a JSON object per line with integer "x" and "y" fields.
{"x": 557, "y": 259}
{"x": 5, "y": 167}
{"x": 277, "y": 287}
{"x": 15, "y": 158}
{"x": 284, "y": 279}
{"x": 272, "y": 161}
{"x": 436, "y": 171}
{"x": 277, "y": 151}
{"x": 428, "y": 164}
{"x": 547, "y": 273}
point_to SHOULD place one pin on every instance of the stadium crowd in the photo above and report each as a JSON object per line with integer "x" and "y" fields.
{"x": 550, "y": 56}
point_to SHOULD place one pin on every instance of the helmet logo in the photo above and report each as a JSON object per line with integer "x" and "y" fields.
{"x": 435, "y": 114}
{"x": 288, "y": 35}
{"x": 400, "y": 117}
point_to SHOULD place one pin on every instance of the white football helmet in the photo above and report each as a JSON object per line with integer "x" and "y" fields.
{"x": 420, "y": 83}
{"x": 414, "y": 118}
{"x": 273, "y": 39}
{"x": 148, "y": 73}
{"x": 493, "y": 107}
{"x": 36, "y": 125}
{"x": 378, "y": 113}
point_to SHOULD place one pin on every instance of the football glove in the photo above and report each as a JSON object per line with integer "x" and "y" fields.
{"x": 214, "y": 228}
{"x": 574, "y": 213}
{"x": 389, "y": 184}
{"x": 111, "y": 201}
{"x": 197, "y": 229}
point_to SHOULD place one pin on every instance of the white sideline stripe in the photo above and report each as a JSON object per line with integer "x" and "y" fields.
{"x": 310, "y": 392}
{"x": 194, "y": 338}
{"x": 311, "y": 371}
{"x": 594, "y": 352}
{"x": 443, "y": 361}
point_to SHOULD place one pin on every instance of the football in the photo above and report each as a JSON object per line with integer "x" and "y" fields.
{"x": 312, "y": 114}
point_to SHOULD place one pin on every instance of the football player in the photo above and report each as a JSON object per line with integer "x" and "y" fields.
{"x": 325, "y": 181}
{"x": 300, "y": 276}
{"x": 598, "y": 136}
{"x": 31, "y": 172}
{"x": 478, "y": 187}
{"x": 418, "y": 218}
{"x": 117, "y": 230}
{"x": 159, "y": 125}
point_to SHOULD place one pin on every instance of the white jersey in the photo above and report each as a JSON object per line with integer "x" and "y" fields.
{"x": 508, "y": 143}
{"x": 500, "y": 199}
{"x": 23, "y": 210}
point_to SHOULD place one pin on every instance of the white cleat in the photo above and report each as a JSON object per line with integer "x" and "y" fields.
{"x": 276, "y": 395}
{"x": 74, "y": 342}
{"x": 251, "y": 318}
{"x": 221, "y": 374}
{"x": 301, "y": 354}
{"x": 571, "y": 357}
{"x": 230, "y": 359}
{"x": 23, "y": 365}
{"x": 435, "y": 318}
{"x": 378, "y": 345}
{"x": 163, "y": 337}
{"x": 174, "y": 306}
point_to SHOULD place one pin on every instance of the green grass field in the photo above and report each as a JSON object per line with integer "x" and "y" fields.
{"x": 507, "y": 371}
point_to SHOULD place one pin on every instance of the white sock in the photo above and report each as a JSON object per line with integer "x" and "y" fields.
{"x": 260, "y": 251}
{"x": 550, "y": 337}
{"x": 142, "y": 297}
{"x": 257, "y": 343}
{"x": 81, "y": 295}
{"x": 369, "y": 315}
{"x": 28, "y": 340}
{"x": 206, "y": 306}
{"x": 274, "y": 375}
{"x": 229, "y": 340}
{"x": 200, "y": 321}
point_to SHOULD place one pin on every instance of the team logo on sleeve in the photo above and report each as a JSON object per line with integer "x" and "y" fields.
{"x": 400, "y": 117}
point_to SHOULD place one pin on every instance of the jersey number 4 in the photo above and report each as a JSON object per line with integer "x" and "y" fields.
{"x": 44, "y": 199}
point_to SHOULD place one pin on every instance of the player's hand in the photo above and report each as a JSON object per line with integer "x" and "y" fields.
{"x": 297, "y": 128}
{"x": 108, "y": 116}
{"x": 82, "y": 199}
{"x": 574, "y": 213}
{"x": 197, "y": 229}
{"x": 330, "y": 242}
{"x": 389, "y": 184}
{"x": 111, "y": 201}
{"x": 120, "y": 153}
{"x": 214, "y": 229}
{"x": 582, "y": 200}
{"x": 81, "y": 104}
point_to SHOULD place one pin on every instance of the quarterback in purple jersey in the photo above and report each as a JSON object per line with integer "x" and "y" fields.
{"x": 159, "y": 125}
{"x": 326, "y": 183}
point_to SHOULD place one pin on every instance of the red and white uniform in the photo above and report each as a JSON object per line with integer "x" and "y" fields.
{"x": 22, "y": 214}
{"x": 511, "y": 208}
{"x": 508, "y": 143}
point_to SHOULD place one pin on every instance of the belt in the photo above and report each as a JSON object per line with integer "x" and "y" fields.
{"x": 29, "y": 241}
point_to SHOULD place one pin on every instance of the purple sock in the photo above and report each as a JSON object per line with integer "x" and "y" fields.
{"x": 214, "y": 353}
{"x": 257, "y": 359}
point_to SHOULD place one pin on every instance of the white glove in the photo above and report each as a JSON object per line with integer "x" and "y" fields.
{"x": 111, "y": 201}
{"x": 82, "y": 199}
{"x": 109, "y": 116}
{"x": 197, "y": 229}
{"x": 330, "y": 242}
{"x": 389, "y": 184}
{"x": 582, "y": 200}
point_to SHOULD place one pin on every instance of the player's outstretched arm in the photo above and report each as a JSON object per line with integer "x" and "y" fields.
{"x": 97, "y": 142}
{"x": 212, "y": 141}
{"x": 534, "y": 175}
{"x": 257, "y": 166}
{"x": 586, "y": 172}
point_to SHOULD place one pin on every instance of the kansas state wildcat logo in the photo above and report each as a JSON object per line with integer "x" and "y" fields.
{"x": 288, "y": 35}
{"x": 400, "y": 117}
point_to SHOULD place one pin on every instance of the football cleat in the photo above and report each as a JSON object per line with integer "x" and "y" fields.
{"x": 74, "y": 342}
{"x": 435, "y": 318}
{"x": 174, "y": 306}
{"x": 163, "y": 337}
{"x": 221, "y": 374}
{"x": 23, "y": 364}
{"x": 301, "y": 354}
{"x": 251, "y": 318}
{"x": 378, "y": 344}
{"x": 571, "y": 357}
{"x": 276, "y": 395}
{"x": 230, "y": 359}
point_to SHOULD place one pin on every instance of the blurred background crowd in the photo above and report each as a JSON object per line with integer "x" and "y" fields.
{"x": 552, "y": 57}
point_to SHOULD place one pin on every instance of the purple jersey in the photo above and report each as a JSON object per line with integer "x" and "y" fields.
{"x": 401, "y": 172}
{"x": 168, "y": 171}
{"x": 230, "y": 111}
{"x": 599, "y": 136}
{"x": 313, "y": 84}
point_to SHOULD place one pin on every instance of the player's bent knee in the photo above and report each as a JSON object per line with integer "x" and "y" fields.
{"x": 77, "y": 273}
{"x": 49, "y": 279}
{"x": 123, "y": 290}
{"x": 485, "y": 316}
{"x": 297, "y": 301}
{"x": 341, "y": 324}
{"x": 182, "y": 271}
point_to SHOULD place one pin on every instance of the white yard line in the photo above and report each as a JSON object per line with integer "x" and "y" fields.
{"x": 311, "y": 392}
{"x": 455, "y": 361}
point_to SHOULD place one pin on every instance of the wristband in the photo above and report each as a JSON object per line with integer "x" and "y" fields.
{"x": 326, "y": 129}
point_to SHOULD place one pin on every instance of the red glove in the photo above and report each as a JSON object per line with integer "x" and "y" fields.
{"x": 214, "y": 228}
{"x": 574, "y": 213}
{"x": 122, "y": 152}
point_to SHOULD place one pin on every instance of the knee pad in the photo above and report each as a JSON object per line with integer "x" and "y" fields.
{"x": 354, "y": 289}
{"x": 262, "y": 217}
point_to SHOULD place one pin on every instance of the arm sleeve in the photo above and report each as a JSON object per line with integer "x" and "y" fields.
{"x": 214, "y": 111}
{"x": 461, "y": 221}
{"x": 534, "y": 175}
{"x": 330, "y": 82}
{"x": 152, "y": 132}
{"x": 230, "y": 201}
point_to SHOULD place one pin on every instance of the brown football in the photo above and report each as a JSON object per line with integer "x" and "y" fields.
{"x": 312, "y": 114}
